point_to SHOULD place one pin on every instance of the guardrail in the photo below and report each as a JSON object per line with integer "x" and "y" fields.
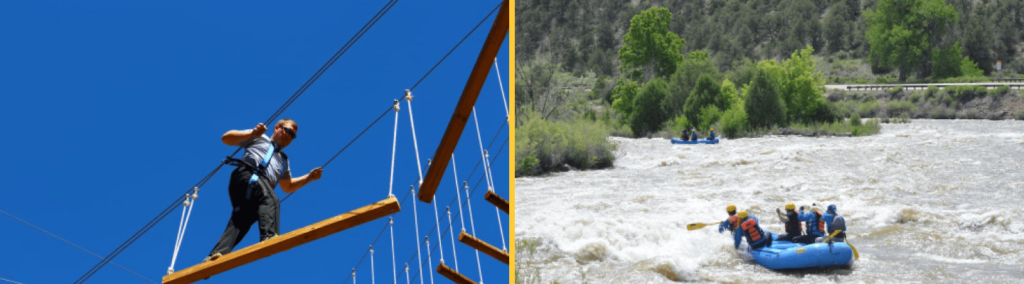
{"x": 922, "y": 86}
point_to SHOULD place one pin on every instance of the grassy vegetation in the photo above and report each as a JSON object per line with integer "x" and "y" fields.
{"x": 544, "y": 146}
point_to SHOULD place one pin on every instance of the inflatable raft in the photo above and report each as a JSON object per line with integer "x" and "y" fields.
{"x": 700, "y": 141}
{"x": 787, "y": 255}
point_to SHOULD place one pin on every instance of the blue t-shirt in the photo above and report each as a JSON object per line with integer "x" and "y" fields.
{"x": 256, "y": 149}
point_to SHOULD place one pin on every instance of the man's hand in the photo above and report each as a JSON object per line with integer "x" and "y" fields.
{"x": 258, "y": 130}
{"x": 315, "y": 174}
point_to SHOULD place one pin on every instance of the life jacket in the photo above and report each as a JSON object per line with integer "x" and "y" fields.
{"x": 815, "y": 224}
{"x": 793, "y": 226}
{"x": 755, "y": 236}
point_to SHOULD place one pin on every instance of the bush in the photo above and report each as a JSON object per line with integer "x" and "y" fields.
{"x": 680, "y": 123}
{"x": 999, "y": 91}
{"x": 763, "y": 105}
{"x": 648, "y": 114}
{"x": 855, "y": 119}
{"x": 734, "y": 122}
{"x": 896, "y": 108}
{"x": 705, "y": 93}
{"x": 914, "y": 97}
{"x": 543, "y": 146}
{"x": 708, "y": 116}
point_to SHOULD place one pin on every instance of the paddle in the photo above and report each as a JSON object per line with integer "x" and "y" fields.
{"x": 696, "y": 226}
{"x": 855, "y": 254}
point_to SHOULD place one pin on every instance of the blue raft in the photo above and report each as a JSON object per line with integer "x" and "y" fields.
{"x": 700, "y": 141}
{"x": 787, "y": 255}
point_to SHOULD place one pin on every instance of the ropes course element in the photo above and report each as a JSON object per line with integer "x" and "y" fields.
{"x": 468, "y": 194}
{"x": 417, "y": 225}
{"x": 460, "y": 43}
{"x": 72, "y": 244}
{"x": 467, "y": 100}
{"x": 503, "y": 100}
{"x": 355, "y": 38}
{"x": 284, "y": 242}
{"x": 183, "y": 225}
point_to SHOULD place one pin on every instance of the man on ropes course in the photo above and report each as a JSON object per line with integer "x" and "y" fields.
{"x": 251, "y": 188}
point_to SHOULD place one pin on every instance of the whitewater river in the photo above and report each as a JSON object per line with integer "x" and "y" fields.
{"x": 929, "y": 201}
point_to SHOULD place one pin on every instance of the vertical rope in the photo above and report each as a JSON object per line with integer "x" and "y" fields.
{"x": 354, "y": 276}
{"x": 394, "y": 270}
{"x": 394, "y": 141}
{"x": 472, "y": 228}
{"x": 500, "y": 85}
{"x": 426, "y": 240}
{"x": 416, "y": 220}
{"x": 419, "y": 167}
{"x": 373, "y": 270}
{"x": 183, "y": 226}
{"x": 487, "y": 174}
{"x": 458, "y": 193}
{"x": 407, "y": 271}
{"x": 177, "y": 238}
{"x": 448, "y": 211}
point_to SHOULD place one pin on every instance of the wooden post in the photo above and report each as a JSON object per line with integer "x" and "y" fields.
{"x": 285, "y": 242}
{"x": 465, "y": 106}
{"x": 493, "y": 198}
{"x": 484, "y": 247}
{"x": 452, "y": 275}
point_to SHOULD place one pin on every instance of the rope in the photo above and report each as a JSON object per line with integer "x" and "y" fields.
{"x": 394, "y": 141}
{"x": 394, "y": 270}
{"x": 469, "y": 194}
{"x": 419, "y": 169}
{"x": 390, "y": 223}
{"x": 481, "y": 179}
{"x": 417, "y": 225}
{"x": 12, "y": 281}
{"x": 347, "y": 145}
{"x": 183, "y": 226}
{"x": 448, "y": 211}
{"x": 354, "y": 276}
{"x": 74, "y": 245}
{"x": 473, "y": 228}
{"x": 406, "y": 273}
{"x": 503, "y": 100}
{"x": 456, "y": 46}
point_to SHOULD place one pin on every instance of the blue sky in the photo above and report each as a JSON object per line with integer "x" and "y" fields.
{"x": 115, "y": 108}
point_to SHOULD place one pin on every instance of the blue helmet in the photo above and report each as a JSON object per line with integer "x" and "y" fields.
{"x": 832, "y": 208}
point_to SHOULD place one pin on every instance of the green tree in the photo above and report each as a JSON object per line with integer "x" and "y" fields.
{"x": 837, "y": 26}
{"x": 763, "y": 105}
{"x": 623, "y": 94}
{"x": 901, "y": 32}
{"x": 946, "y": 62}
{"x": 648, "y": 114}
{"x": 681, "y": 83}
{"x": 706, "y": 93}
{"x": 649, "y": 45}
{"x": 803, "y": 86}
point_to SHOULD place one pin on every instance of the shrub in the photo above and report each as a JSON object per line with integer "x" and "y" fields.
{"x": 932, "y": 90}
{"x": 734, "y": 122}
{"x": 896, "y": 108}
{"x": 543, "y": 146}
{"x": 705, "y": 93}
{"x": 915, "y": 96}
{"x": 708, "y": 116}
{"x": 648, "y": 114}
{"x": 763, "y": 105}
{"x": 855, "y": 119}
{"x": 680, "y": 123}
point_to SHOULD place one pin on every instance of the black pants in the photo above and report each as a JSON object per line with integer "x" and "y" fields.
{"x": 249, "y": 204}
{"x": 805, "y": 239}
{"x": 787, "y": 237}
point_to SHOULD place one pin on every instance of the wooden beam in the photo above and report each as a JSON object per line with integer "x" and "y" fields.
{"x": 465, "y": 106}
{"x": 493, "y": 198}
{"x": 452, "y": 275}
{"x": 285, "y": 242}
{"x": 484, "y": 247}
